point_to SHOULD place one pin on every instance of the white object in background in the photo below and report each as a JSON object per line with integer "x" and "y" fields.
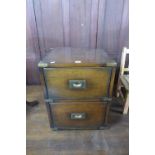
{"x": 52, "y": 62}
{"x": 77, "y": 61}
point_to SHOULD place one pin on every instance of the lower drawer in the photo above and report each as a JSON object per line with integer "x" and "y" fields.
{"x": 76, "y": 115}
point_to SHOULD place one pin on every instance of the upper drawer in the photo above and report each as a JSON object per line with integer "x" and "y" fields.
{"x": 77, "y": 83}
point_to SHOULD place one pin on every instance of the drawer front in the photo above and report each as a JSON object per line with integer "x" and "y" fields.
{"x": 77, "y": 82}
{"x": 78, "y": 115}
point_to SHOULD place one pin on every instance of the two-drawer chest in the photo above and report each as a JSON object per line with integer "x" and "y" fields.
{"x": 78, "y": 87}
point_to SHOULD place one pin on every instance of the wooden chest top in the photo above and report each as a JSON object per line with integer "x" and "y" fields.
{"x": 75, "y": 57}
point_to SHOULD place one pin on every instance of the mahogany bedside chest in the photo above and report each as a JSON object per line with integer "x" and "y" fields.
{"x": 78, "y": 87}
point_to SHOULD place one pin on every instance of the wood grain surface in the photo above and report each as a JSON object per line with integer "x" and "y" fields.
{"x": 97, "y": 82}
{"x": 32, "y": 46}
{"x": 72, "y": 57}
{"x": 76, "y": 23}
{"x": 94, "y": 113}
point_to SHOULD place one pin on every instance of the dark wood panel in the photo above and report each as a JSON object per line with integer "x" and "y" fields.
{"x": 110, "y": 26}
{"x": 77, "y": 23}
{"x": 80, "y": 23}
{"x": 32, "y": 46}
{"x": 124, "y": 32}
{"x": 101, "y": 23}
{"x": 39, "y": 23}
{"x": 66, "y": 21}
{"x": 94, "y": 23}
{"x": 50, "y": 22}
{"x": 32, "y": 73}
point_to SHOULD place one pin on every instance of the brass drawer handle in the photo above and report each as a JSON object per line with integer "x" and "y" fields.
{"x": 77, "y": 116}
{"x": 77, "y": 84}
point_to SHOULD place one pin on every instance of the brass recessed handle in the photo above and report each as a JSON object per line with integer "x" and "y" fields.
{"x": 77, "y": 84}
{"x": 78, "y": 116}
